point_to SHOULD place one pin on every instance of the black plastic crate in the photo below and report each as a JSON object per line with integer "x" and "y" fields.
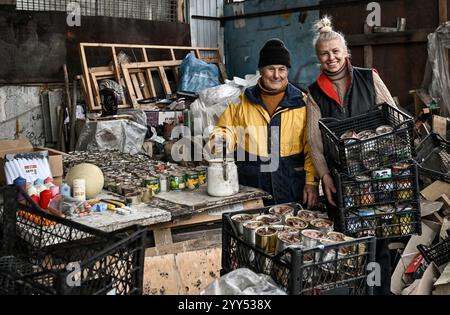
{"x": 433, "y": 156}
{"x": 67, "y": 257}
{"x": 438, "y": 253}
{"x": 319, "y": 270}
{"x": 384, "y": 207}
{"x": 354, "y": 156}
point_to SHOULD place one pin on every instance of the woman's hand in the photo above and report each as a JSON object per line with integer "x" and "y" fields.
{"x": 329, "y": 189}
{"x": 310, "y": 195}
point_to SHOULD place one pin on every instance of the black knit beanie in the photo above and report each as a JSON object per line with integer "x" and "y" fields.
{"x": 274, "y": 53}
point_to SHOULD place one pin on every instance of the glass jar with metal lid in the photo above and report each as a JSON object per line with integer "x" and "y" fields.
{"x": 191, "y": 179}
{"x": 176, "y": 181}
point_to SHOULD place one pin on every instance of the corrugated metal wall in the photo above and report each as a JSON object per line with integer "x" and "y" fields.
{"x": 244, "y": 38}
{"x": 206, "y": 33}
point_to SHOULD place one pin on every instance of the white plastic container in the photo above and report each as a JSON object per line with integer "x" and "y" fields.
{"x": 79, "y": 189}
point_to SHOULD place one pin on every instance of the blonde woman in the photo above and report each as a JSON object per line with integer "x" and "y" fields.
{"x": 342, "y": 91}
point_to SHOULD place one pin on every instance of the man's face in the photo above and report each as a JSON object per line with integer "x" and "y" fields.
{"x": 274, "y": 77}
{"x": 331, "y": 54}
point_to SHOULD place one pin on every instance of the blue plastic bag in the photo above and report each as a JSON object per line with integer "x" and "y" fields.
{"x": 197, "y": 75}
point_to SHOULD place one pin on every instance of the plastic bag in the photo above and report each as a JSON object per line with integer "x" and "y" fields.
{"x": 123, "y": 135}
{"x": 197, "y": 75}
{"x": 438, "y": 44}
{"x": 243, "y": 281}
{"x": 211, "y": 103}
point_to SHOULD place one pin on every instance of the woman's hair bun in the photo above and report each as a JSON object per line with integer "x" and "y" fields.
{"x": 323, "y": 25}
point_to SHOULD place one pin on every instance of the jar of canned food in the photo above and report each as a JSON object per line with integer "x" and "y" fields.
{"x": 201, "y": 171}
{"x": 152, "y": 183}
{"x": 177, "y": 182}
{"x": 191, "y": 180}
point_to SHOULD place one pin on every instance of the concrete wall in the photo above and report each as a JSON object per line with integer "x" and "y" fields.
{"x": 22, "y": 103}
{"x": 244, "y": 38}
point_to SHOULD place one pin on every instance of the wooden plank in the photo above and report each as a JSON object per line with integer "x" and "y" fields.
{"x": 204, "y": 217}
{"x": 406, "y": 37}
{"x": 443, "y": 11}
{"x": 176, "y": 73}
{"x": 368, "y": 51}
{"x": 180, "y": 15}
{"x": 96, "y": 93}
{"x": 116, "y": 64}
{"x": 164, "y": 274}
{"x": 152, "y": 64}
{"x": 186, "y": 246}
{"x": 172, "y": 54}
{"x": 129, "y": 86}
{"x": 137, "y": 88}
{"x": 148, "y": 75}
{"x": 109, "y": 45}
{"x": 162, "y": 237}
{"x": 87, "y": 79}
{"x": 164, "y": 81}
{"x": 143, "y": 81}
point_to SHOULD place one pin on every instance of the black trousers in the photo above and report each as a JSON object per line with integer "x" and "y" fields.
{"x": 382, "y": 254}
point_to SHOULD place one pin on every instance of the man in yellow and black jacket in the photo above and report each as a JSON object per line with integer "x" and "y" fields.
{"x": 267, "y": 132}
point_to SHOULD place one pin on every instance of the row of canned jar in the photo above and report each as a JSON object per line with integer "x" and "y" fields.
{"x": 383, "y": 221}
{"x": 385, "y": 185}
{"x": 176, "y": 181}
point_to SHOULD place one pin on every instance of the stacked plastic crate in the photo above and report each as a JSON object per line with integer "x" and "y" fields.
{"x": 371, "y": 158}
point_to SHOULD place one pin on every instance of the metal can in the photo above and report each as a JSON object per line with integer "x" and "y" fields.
{"x": 401, "y": 169}
{"x": 366, "y": 197}
{"x": 177, "y": 182}
{"x": 349, "y": 192}
{"x": 201, "y": 171}
{"x": 153, "y": 184}
{"x": 404, "y": 189}
{"x": 191, "y": 180}
{"x": 384, "y": 129}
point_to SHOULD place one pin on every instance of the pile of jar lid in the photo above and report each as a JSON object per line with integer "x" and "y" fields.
{"x": 127, "y": 174}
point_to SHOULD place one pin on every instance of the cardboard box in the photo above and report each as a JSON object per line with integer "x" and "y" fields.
{"x": 442, "y": 285}
{"x": 436, "y": 190}
{"x": 55, "y": 157}
{"x": 441, "y": 126}
{"x": 399, "y": 279}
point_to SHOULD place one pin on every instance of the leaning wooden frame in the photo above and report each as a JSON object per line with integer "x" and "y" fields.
{"x": 137, "y": 77}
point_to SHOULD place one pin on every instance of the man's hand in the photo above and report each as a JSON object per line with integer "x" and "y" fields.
{"x": 310, "y": 195}
{"x": 329, "y": 189}
{"x": 216, "y": 145}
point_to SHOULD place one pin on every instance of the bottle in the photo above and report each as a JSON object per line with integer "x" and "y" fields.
{"x": 65, "y": 190}
{"x": 44, "y": 198}
{"x": 22, "y": 183}
{"x": 79, "y": 189}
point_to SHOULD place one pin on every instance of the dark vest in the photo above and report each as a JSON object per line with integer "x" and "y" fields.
{"x": 359, "y": 98}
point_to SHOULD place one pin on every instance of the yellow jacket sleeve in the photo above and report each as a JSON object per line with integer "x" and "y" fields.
{"x": 311, "y": 174}
{"x": 226, "y": 126}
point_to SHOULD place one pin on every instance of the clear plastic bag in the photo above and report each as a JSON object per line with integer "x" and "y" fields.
{"x": 438, "y": 44}
{"x": 243, "y": 281}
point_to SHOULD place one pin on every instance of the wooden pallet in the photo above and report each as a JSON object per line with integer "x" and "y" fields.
{"x": 137, "y": 77}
